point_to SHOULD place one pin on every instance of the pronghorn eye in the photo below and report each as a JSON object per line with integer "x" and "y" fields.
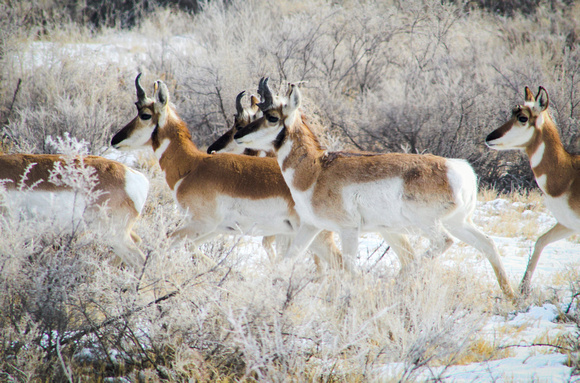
{"x": 271, "y": 118}
{"x": 145, "y": 116}
{"x": 523, "y": 119}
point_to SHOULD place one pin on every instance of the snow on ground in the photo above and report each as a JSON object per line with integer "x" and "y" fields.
{"x": 128, "y": 50}
{"x": 528, "y": 363}
{"x": 521, "y": 329}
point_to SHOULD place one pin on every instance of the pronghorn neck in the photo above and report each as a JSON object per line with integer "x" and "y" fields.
{"x": 174, "y": 149}
{"x": 299, "y": 152}
{"x": 552, "y": 165}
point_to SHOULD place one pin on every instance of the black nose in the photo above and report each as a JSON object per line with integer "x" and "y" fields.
{"x": 118, "y": 138}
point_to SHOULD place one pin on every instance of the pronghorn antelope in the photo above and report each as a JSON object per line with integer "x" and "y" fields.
{"x": 120, "y": 189}
{"x": 557, "y": 172}
{"x": 350, "y": 193}
{"x": 221, "y": 193}
{"x": 243, "y": 116}
{"x": 226, "y": 144}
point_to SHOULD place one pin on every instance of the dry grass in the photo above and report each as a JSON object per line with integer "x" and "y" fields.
{"x": 381, "y": 76}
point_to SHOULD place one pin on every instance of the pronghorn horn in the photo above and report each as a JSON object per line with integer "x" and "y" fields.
{"x": 141, "y": 96}
{"x": 239, "y": 107}
{"x": 265, "y": 93}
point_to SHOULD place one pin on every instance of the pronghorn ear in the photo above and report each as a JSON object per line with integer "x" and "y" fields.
{"x": 161, "y": 93}
{"x": 294, "y": 98}
{"x": 529, "y": 95}
{"x": 254, "y": 103}
{"x": 542, "y": 99}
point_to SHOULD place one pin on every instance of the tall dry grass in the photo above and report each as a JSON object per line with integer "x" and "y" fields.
{"x": 386, "y": 76}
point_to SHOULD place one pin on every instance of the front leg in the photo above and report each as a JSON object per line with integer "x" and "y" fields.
{"x": 556, "y": 233}
{"x": 302, "y": 240}
{"x": 349, "y": 239}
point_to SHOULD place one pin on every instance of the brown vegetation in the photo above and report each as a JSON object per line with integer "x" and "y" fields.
{"x": 386, "y": 76}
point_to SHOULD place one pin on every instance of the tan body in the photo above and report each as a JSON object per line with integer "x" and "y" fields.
{"x": 351, "y": 193}
{"x": 557, "y": 172}
{"x": 222, "y": 193}
{"x": 226, "y": 144}
{"x": 122, "y": 190}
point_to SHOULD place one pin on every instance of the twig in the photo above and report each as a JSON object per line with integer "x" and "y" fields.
{"x": 62, "y": 363}
{"x": 79, "y": 334}
{"x": 534, "y": 345}
{"x": 12, "y": 103}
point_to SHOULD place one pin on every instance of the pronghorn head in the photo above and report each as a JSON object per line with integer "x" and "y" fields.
{"x": 151, "y": 114}
{"x": 243, "y": 117}
{"x": 279, "y": 115}
{"x": 525, "y": 123}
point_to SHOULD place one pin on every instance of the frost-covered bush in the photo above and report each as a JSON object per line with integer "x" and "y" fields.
{"x": 419, "y": 76}
{"x": 386, "y": 76}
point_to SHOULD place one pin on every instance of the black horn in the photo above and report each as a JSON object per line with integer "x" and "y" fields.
{"x": 141, "y": 96}
{"x": 239, "y": 107}
{"x": 265, "y": 93}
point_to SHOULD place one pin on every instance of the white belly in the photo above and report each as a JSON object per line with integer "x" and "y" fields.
{"x": 255, "y": 217}
{"x": 60, "y": 209}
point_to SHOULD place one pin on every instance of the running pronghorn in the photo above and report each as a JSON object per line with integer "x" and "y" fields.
{"x": 557, "y": 172}
{"x": 221, "y": 193}
{"x": 34, "y": 189}
{"x": 350, "y": 193}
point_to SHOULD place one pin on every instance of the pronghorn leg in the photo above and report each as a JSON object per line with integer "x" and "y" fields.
{"x": 439, "y": 239}
{"x": 323, "y": 246}
{"x": 556, "y": 233}
{"x": 402, "y": 247}
{"x": 469, "y": 234}
{"x": 283, "y": 242}
{"x": 135, "y": 237}
{"x": 198, "y": 233}
{"x": 302, "y": 240}
{"x": 123, "y": 242}
{"x": 128, "y": 252}
{"x": 349, "y": 239}
{"x": 268, "y": 245}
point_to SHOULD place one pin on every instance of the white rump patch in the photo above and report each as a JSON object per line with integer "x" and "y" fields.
{"x": 137, "y": 187}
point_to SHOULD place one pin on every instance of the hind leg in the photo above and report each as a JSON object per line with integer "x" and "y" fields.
{"x": 402, "y": 247}
{"x": 123, "y": 240}
{"x": 469, "y": 234}
{"x": 268, "y": 245}
{"x": 439, "y": 239}
{"x": 198, "y": 232}
{"x": 323, "y": 246}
